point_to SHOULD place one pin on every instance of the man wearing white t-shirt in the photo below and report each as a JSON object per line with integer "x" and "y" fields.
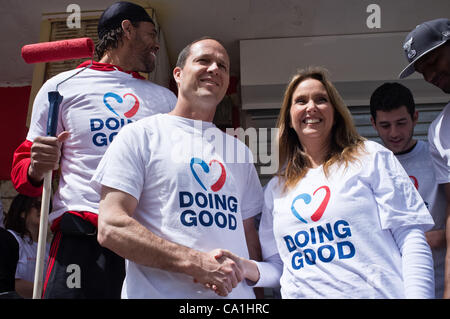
{"x": 427, "y": 49}
{"x": 96, "y": 104}
{"x": 394, "y": 117}
{"x": 174, "y": 187}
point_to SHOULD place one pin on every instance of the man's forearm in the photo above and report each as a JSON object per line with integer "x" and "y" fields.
{"x": 129, "y": 239}
{"x": 124, "y": 235}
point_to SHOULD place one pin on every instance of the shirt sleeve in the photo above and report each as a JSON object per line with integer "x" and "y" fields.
{"x": 253, "y": 199}
{"x": 270, "y": 271}
{"x": 439, "y": 145}
{"x": 417, "y": 262}
{"x": 19, "y": 171}
{"x": 41, "y": 105}
{"x": 122, "y": 166}
{"x": 267, "y": 238}
{"x": 38, "y": 127}
{"x": 399, "y": 203}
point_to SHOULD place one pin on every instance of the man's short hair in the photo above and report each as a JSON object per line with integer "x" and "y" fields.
{"x": 391, "y": 96}
{"x": 183, "y": 55}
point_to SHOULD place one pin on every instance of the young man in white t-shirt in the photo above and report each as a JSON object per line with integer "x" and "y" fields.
{"x": 393, "y": 116}
{"x": 174, "y": 187}
{"x": 96, "y": 104}
{"x": 427, "y": 49}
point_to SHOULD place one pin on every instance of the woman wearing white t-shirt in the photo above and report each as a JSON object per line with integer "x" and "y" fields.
{"x": 23, "y": 222}
{"x": 341, "y": 218}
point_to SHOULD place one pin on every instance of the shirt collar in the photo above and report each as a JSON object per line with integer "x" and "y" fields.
{"x": 109, "y": 67}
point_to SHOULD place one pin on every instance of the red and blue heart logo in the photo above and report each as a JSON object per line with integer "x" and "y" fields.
{"x": 311, "y": 208}
{"x": 217, "y": 182}
{"x": 127, "y": 98}
{"x": 415, "y": 182}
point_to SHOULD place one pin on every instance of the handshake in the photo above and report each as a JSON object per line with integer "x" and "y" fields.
{"x": 221, "y": 271}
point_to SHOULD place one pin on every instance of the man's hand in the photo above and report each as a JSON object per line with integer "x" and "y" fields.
{"x": 248, "y": 267}
{"x": 221, "y": 273}
{"x": 45, "y": 155}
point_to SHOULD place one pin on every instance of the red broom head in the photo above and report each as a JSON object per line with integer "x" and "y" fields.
{"x": 58, "y": 50}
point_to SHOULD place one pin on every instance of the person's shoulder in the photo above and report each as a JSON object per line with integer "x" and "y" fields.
{"x": 238, "y": 146}
{"x": 5, "y": 234}
{"x": 442, "y": 116}
{"x": 447, "y": 108}
{"x": 11, "y": 236}
{"x": 272, "y": 185}
{"x": 148, "y": 123}
{"x": 154, "y": 87}
{"x": 422, "y": 145}
{"x": 374, "y": 147}
{"x": 62, "y": 76}
{"x": 51, "y": 83}
{"x": 8, "y": 241}
{"x": 373, "y": 152}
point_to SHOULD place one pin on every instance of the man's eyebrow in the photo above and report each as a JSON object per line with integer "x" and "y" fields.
{"x": 211, "y": 56}
{"x": 403, "y": 119}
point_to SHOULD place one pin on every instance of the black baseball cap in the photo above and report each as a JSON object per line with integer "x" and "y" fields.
{"x": 424, "y": 38}
{"x": 113, "y": 16}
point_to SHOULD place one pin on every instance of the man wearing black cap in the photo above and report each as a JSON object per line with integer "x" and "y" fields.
{"x": 96, "y": 104}
{"x": 124, "y": 21}
{"x": 427, "y": 49}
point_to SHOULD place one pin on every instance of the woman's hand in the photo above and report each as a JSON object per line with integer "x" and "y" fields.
{"x": 248, "y": 268}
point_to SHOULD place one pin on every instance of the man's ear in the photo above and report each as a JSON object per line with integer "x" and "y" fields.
{"x": 127, "y": 28}
{"x": 177, "y": 75}
{"x": 415, "y": 117}
{"x": 373, "y": 123}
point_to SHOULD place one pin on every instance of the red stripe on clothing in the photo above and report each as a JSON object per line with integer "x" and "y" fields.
{"x": 51, "y": 259}
{"x": 87, "y": 216}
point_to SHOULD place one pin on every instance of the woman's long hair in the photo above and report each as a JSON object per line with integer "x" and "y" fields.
{"x": 345, "y": 142}
{"x": 18, "y": 212}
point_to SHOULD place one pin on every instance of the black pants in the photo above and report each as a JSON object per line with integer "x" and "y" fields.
{"x": 78, "y": 267}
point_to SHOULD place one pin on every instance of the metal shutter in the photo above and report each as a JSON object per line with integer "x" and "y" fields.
{"x": 361, "y": 114}
{"x": 60, "y": 31}
{"x": 427, "y": 113}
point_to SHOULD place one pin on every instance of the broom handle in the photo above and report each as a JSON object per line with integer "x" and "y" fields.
{"x": 42, "y": 241}
{"x": 54, "y": 99}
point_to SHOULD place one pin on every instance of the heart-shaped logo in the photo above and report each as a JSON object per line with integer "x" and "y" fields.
{"x": 307, "y": 200}
{"x": 415, "y": 182}
{"x": 131, "y": 112}
{"x": 217, "y": 185}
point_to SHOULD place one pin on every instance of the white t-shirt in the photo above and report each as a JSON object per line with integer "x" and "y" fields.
{"x": 96, "y": 105}
{"x": 26, "y": 264}
{"x": 419, "y": 167}
{"x": 439, "y": 139}
{"x": 334, "y": 234}
{"x": 195, "y": 186}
